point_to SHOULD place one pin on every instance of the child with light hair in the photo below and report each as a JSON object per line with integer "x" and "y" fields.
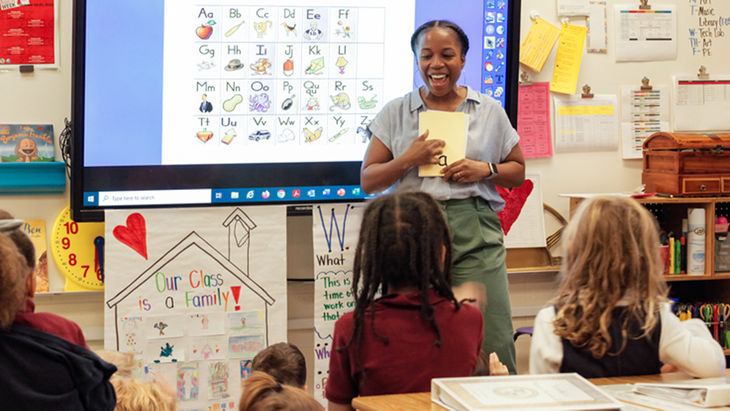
{"x": 611, "y": 316}
{"x": 134, "y": 394}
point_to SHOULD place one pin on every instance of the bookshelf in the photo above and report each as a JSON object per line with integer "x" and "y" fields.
{"x": 670, "y": 212}
{"x": 32, "y": 178}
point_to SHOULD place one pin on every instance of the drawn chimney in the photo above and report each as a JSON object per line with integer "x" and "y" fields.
{"x": 239, "y": 238}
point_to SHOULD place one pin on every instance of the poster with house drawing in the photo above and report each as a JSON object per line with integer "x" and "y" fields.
{"x": 335, "y": 231}
{"x": 195, "y": 293}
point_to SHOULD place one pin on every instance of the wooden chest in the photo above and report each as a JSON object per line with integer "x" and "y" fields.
{"x": 687, "y": 164}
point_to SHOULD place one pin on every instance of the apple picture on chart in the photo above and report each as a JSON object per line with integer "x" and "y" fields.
{"x": 204, "y": 31}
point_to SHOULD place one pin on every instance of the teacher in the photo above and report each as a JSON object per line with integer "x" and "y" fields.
{"x": 467, "y": 188}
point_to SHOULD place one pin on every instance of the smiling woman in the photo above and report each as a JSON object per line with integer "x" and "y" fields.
{"x": 467, "y": 188}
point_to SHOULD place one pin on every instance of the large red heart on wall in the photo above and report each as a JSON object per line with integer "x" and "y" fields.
{"x": 514, "y": 201}
{"x": 134, "y": 234}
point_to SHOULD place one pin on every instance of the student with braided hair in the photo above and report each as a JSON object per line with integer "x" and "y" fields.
{"x": 416, "y": 330}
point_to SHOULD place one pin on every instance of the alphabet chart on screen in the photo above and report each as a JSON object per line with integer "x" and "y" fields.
{"x": 280, "y": 82}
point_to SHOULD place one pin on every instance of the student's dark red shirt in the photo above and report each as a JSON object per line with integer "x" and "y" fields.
{"x": 50, "y": 323}
{"x": 410, "y": 360}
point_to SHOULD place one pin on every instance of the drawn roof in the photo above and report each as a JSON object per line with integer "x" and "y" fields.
{"x": 191, "y": 240}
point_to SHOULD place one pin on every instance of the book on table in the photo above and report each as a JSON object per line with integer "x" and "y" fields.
{"x": 567, "y": 391}
{"x": 703, "y": 392}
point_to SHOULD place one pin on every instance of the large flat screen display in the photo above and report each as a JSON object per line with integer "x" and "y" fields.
{"x": 180, "y": 102}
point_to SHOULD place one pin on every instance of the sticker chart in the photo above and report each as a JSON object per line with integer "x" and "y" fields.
{"x": 268, "y": 83}
{"x": 195, "y": 294}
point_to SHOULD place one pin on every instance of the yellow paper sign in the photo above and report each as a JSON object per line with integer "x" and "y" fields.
{"x": 585, "y": 110}
{"x": 568, "y": 59}
{"x": 448, "y": 126}
{"x": 538, "y": 43}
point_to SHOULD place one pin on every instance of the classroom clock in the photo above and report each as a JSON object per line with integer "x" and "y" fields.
{"x": 78, "y": 250}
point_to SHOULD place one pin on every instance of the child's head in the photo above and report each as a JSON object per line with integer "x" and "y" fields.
{"x": 283, "y": 361}
{"x": 12, "y": 228}
{"x": 134, "y": 395}
{"x": 611, "y": 252}
{"x": 262, "y": 392}
{"x": 13, "y": 271}
{"x": 404, "y": 246}
{"x": 404, "y": 243}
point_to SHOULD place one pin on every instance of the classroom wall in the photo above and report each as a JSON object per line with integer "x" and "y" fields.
{"x": 45, "y": 97}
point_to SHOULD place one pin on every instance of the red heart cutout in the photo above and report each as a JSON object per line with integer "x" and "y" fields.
{"x": 514, "y": 201}
{"x": 134, "y": 234}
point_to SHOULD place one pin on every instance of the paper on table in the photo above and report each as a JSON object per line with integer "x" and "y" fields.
{"x": 646, "y": 35}
{"x": 538, "y": 43}
{"x": 450, "y": 127}
{"x": 572, "y": 7}
{"x": 568, "y": 59}
{"x": 597, "y": 39}
{"x": 586, "y": 124}
{"x": 533, "y": 120}
{"x": 643, "y": 113}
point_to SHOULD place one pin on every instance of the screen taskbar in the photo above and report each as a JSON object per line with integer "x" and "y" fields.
{"x": 220, "y": 196}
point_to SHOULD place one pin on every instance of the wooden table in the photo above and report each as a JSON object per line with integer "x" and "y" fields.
{"x": 422, "y": 400}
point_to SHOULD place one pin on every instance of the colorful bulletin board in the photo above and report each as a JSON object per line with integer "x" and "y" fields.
{"x": 195, "y": 294}
{"x": 335, "y": 230}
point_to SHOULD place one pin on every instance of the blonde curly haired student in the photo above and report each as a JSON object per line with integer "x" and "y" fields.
{"x": 134, "y": 394}
{"x": 611, "y": 316}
